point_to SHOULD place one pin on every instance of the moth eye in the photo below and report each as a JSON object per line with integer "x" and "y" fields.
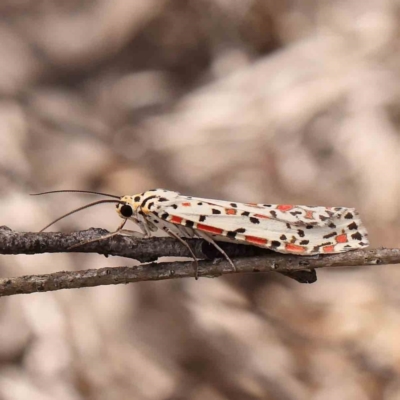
{"x": 126, "y": 211}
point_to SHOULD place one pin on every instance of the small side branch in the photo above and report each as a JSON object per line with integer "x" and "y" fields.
{"x": 246, "y": 259}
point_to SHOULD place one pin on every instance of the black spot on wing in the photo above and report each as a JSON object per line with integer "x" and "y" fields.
{"x": 300, "y": 232}
{"x": 283, "y": 237}
{"x": 352, "y": 226}
{"x": 136, "y": 199}
{"x": 273, "y": 213}
{"x": 309, "y": 226}
{"x": 288, "y": 226}
{"x": 199, "y": 203}
{"x": 231, "y": 234}
{"x": 202, "y": 218}
{"x": 275, "y": 243}
{"x": 294, "y": 213}
{"x": 174, "y": 206}
{"x": 245, "y": 213}
{"x": 332, "y": 225}
{"x": 161, "y": 199}
{"x": 329, "y": 235}
{"x": 164, "y": 215}
{"x": 215, "y": 211}
{"x": 356, "y": 236}
{"x": 189, "y": 224}
{"x": 322, "y": 217}
{"x": 349, "y": 215}
{"x": 254, "y": 220}
{"x": 234, "y": 205}
{"x": 304, "y": 242}
{"x": 240, "y": 230}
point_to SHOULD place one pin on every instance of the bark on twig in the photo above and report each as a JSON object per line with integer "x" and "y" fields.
{"x": 246, "y": 259}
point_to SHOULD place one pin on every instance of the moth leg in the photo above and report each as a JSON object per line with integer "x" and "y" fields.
{"x": 128, "y": 232}
{"x": 121, "y": 225}
{"x": 174, "y": 235}
{"x": 143, "y": 223}
{"x": 210, "y": 240}
{"x": 117, "y": 232}
{"x": 185, "y": 232}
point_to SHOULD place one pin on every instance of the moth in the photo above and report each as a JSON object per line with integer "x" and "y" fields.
{"x": 284, "y": 228}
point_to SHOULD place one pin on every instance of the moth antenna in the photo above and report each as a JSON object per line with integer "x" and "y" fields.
{"x": 79, "y": 209}
{"x": 77, "y": 191}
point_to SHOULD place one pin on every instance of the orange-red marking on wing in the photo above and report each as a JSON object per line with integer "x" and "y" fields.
{"x": 187, "y": 204}
{"x": 329, "y": 249}
{"x": 210, "y": 229}
{"x": 255, "y": 240}
{"x": 230, "y": 211}
{"x": 284, "y": 207}
{"x": 261, "y": 216}
{"x": 309, "y": 214}
{"x": 255, "y": 205}
{"x": 341, "y": 238}
{"x": 176, "y": 220}
{"x": 295, "y": 248}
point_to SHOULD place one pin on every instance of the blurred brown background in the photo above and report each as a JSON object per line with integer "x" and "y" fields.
{"x": 247, "y": 100}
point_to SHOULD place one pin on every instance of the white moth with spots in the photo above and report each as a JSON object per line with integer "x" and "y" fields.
{"x": 291, "y": 229}
{"x": 303, "y": 230}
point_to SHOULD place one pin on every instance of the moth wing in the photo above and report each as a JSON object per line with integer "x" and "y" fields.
{"x": 291, "y": 229}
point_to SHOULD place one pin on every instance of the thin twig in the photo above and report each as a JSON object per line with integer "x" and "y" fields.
{"x": 246, "y": 259}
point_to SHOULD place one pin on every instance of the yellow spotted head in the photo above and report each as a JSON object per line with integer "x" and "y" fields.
{"x": 143, "y": 203}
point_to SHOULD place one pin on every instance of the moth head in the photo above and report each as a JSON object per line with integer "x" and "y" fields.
{"x": 144, "y": 203}
{"x": 128, "y": 206}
